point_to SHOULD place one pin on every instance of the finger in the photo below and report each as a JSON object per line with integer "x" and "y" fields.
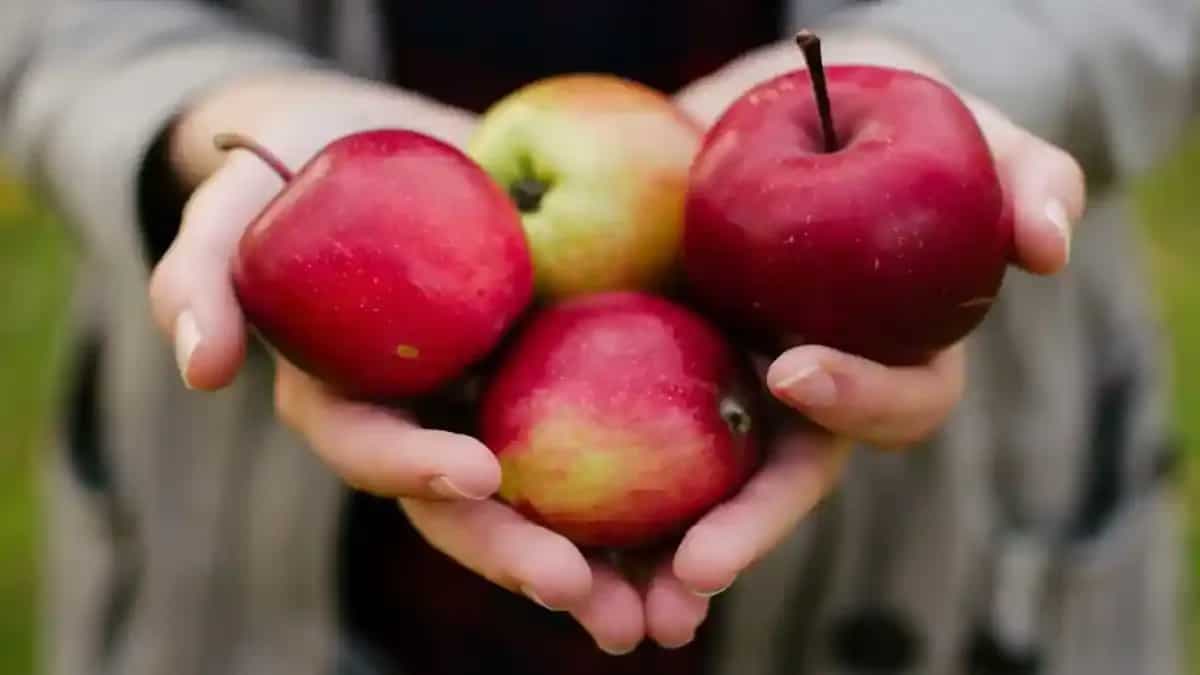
{"x": 379, "y": 451}
{"x": 191, "y": 292}
{"x": 867, "y": 401}
{"x": 612, "y": 613}
{"x": 673, "y": 612}
{"x": 1044, "y": 186}
{"x": 1047, "y": 191}
{"x": 803, "y": 468}
{"x": 500, "y": 545}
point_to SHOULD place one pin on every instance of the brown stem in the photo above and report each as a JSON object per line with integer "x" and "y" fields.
{"x": 810, "y": 44}
{"x": 235, "y": 141}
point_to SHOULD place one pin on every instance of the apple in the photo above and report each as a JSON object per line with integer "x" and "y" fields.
{"x": 872, "y": 221}
{"x": 598, "y": 166}
{"x": 387, "y": 266}
{"x": 619, "y": 418}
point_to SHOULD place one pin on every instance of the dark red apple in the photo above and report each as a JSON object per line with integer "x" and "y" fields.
{"x": 879, "y": 229}
{"x": 387, "y": 266}
{"x": 619, "y": 418}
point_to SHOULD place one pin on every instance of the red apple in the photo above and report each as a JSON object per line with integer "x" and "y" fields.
{"x": 883, "y": 233}
{"x": 387, "y": 266}
{"x": 619, "y": 418}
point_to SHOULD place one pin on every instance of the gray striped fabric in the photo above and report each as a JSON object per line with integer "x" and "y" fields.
{"x": 212, "y": 548}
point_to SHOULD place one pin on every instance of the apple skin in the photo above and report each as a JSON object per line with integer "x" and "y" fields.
{"x": 619, "y": 418}
{"x": 614, "y": 156}
{"x": 893, "y": 247}
{"x": 388, "y": 265}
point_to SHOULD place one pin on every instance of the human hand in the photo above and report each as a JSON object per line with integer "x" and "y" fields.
{"x": 442, "y": 479}
{"x": 1044, "y": 192}
{"x": 191, "y": 291}
{"x": 844, "y": 398}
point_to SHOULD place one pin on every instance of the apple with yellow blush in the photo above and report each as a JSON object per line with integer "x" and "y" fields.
{"x": 598, "y": 166}
{"x": 620, "y": 418}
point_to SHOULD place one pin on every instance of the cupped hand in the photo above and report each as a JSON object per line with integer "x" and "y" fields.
{"x": 841, "y": 398}
{"x": 443, "y": 480}
{"x": 192, "y": 297}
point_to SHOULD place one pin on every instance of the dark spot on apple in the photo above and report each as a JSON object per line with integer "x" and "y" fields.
{"x": 736, "y": 417}
{"x": 528, "y": 193}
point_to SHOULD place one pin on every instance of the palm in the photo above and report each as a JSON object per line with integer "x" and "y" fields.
{"x": 621, "y": 600}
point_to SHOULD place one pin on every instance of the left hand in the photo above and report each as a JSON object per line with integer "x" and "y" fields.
{"x": 842, "y": 399}
{"x": 847, "y": 398}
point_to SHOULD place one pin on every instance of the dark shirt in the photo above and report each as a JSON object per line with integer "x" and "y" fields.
{"x": 472, "y": 52}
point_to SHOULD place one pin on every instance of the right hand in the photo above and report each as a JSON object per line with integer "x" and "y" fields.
{"x": 442, "y": 480}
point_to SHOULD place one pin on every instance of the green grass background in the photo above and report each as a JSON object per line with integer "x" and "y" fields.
{"x": 35, "y": 267}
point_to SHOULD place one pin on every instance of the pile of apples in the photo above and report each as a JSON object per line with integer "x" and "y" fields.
{"x": 603, "y": 268}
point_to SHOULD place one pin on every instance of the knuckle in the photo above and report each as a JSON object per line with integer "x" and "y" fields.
{"x": 194, "y": 207}
{"x": 285, "y": 400}
{"x": 162, "y": 284}
{"x": 363, "y": 464}
{"x": 908, "y": 436}
{"x": 165, "y": 291}
{"x": 1064, "y": 164}
{"x": 1067, "y": 162}
{"x": 353, "y": 473}
{"x": 1078, "y": 181}
{"x": 360, "y": 483}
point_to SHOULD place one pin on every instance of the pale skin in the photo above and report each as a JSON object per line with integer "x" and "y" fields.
{"x": 444, "y": 481}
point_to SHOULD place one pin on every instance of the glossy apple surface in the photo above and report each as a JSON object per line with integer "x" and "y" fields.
{"x": 891, "y": 247}
{"x": 388, "y": 265}
{"x": 619, "y": 418}
{"x": 599, "y": 167}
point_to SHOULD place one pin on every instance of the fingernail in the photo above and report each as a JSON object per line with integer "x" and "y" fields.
{"x": 529, "y": 593}
{"x": 1056, "y": 214}
{"x": 809, "y": 386}
{"x": 616, "y": 651}
{"x": 187, "y": 338}
{"x": 444, "y": 487}
{"x": 678, "y": 645}
{"x": 711, "y": 594}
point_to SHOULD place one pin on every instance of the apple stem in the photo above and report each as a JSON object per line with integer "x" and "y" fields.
{"x": 810, "y": 44}
{"x": 235, "y": 141}
{"x": 528, "y": 193}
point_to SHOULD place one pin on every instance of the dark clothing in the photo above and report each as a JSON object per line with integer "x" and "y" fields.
{"x": 472, "y": 52}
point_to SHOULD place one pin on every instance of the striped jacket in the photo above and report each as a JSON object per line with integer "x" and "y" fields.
{"x": 192, "y": 534}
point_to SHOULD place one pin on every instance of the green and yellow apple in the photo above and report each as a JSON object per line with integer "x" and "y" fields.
{"x": 598, "y": 166}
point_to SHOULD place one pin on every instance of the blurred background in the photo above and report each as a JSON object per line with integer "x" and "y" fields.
{"x": 36, "y": 258}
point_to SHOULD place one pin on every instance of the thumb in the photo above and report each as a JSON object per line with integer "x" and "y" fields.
{"x": 191, "y": 291}
{"x": 1044, "y": 185}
